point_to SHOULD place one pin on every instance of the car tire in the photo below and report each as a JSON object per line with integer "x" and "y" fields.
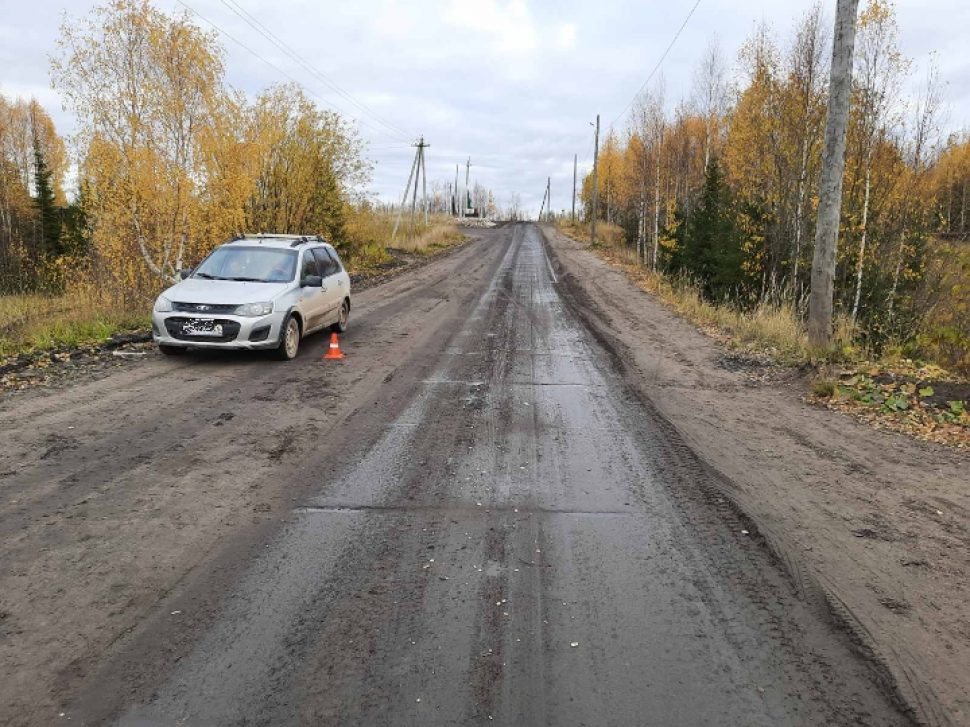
{"x": 171, "y": 350}
{"x": 344, "y": 318}
{"x": 289, "y": 339}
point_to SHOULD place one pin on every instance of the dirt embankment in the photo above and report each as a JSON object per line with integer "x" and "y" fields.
{"x": 873, "y": 524}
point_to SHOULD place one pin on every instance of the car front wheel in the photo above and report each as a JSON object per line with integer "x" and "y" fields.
{"x": 289, "y": 339}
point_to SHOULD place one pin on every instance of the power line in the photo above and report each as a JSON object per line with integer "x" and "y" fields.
{"x": 272, "y": 65}
{"x": 260, "y": 28}
{"x": 659, "y": 63}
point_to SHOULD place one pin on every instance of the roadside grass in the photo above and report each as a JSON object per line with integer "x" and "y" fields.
{"x": 366, "y": 234}
{"x": 88, "y": 315}
{"x": 437, "y": 235}
{"x": 80, "y": 318}
{"x": 891, "y": 392}
{"x": 370, "y": 234}
{"x": 767, "y": 328}
{"x": 607, "y": 235}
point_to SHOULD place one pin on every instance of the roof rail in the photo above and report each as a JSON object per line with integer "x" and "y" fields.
{"x": 295, "y": 240}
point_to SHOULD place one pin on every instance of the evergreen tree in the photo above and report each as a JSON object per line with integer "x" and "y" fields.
{"x": 49, "y": 245}
{"x": 712, "y": 247}
{"x": 75, "y": 230}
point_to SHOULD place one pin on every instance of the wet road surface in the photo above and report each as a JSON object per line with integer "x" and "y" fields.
{"x": 522, "y": 543}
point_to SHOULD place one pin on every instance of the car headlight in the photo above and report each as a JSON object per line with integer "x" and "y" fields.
{"x": 251, "y": 310}
{"x": 163, "y": 304}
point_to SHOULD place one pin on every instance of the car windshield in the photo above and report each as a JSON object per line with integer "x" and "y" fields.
{"x": 249, "y": 264}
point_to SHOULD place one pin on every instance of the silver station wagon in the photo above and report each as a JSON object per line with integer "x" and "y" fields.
{"x": 256, "y": 292}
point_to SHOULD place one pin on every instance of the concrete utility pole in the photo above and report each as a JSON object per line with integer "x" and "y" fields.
{"x": 575, "y": 160}
{"x": 596, "y": 153}
{"x": 833, "y": 164}
{"x": 455, "y": 198}
{"x": 468, "y": 169}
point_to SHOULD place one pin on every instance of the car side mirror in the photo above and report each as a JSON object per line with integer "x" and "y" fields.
{"x": 312, "y": 281}
{"x": 185, "y": 272}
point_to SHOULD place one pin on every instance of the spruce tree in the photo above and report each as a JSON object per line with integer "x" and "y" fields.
{"x": 49, "y": 245}
{"x": 712, "y": 241}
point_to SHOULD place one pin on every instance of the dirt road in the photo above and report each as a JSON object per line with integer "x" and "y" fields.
{"x": 469, "y": 520}
{"x": 875, "y": 524}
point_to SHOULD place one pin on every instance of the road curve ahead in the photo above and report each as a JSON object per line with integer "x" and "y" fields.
{"x": 522, "y": 543}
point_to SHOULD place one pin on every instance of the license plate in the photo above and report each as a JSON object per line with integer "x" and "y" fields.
{"x": 201, "y": 328}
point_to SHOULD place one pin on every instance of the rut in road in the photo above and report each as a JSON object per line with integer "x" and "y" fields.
{"x": 523, "y": 544}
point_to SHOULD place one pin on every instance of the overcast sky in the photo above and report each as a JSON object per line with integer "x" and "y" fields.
{"x": 511, "y": 83}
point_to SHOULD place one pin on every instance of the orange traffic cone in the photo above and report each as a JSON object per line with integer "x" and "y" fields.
{"x": 334, "y": 351}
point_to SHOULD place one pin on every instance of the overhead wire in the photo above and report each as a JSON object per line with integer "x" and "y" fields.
{"x": 280, "y": 70}
{"x": 656, "y": 67}
{"x": 263, "y": 30}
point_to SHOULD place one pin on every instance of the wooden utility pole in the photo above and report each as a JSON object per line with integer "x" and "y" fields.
{"x": 549, "y": 197}
{"x": 596, "y": 153}
{"x": 424, "y": 177}
{"x": 833, "y": 164}
{"x": 575, "y": 160}
{"x": 404, "y": 199}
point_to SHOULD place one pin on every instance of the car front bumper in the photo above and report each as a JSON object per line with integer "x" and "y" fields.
{"x": 238, "y": 332}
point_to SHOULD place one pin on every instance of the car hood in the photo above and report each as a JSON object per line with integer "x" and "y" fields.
{"x": 228, "y": 292}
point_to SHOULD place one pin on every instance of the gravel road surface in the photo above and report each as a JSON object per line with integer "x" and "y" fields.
{"x": 468, "y": 521}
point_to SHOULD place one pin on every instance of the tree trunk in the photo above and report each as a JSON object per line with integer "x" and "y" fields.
{"x": 862, "y": 242}
{"x": 656, "y": 213}
{"x": 799, "y": 213}
{"x": 833, "y": 165}
{"x": 963, "y": 210}
{"x": 891, "y": 303}
{"x": 641, "y": 224}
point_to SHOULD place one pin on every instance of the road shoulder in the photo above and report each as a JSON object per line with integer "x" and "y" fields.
{"x": 872, "y": 524}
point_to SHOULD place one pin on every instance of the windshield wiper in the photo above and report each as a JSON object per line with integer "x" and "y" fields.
{"x": 210, "y": 277}
{"x": 245, "y": 280}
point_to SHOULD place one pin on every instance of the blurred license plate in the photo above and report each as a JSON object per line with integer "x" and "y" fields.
{"x": 201, "y": 328}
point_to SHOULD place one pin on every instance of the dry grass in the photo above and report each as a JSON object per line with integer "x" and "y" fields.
{"x": 82, "y": 317}
{"x": 607, "y": 235}
{"x": 370, "y": 234}
{"x": 367, "y": 232}
{"x": 87, "y": 315}
{"x": 436, "y": 235}
{"x": 774, "y": 329}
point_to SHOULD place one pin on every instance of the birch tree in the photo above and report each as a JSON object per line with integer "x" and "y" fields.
{"x": 805, "y": 118}
{"x": 149, "y": 94}
{"x": 711, "y": 95}
{"x": 879, "y": 67}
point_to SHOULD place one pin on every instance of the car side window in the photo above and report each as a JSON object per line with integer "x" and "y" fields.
{"x": 327, "y": 265}
{"x": 310, "y": 266}
{"x": 336, "y": 259}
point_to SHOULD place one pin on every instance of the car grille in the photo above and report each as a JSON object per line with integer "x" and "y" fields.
{"x": 230, "y": 329}
{"x": 207, "y": 308}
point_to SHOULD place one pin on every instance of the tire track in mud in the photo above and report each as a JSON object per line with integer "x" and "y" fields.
{"x": 222, "y": 406}
{"x": 709, "y": 502}
{"x": 521, "y": 540}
